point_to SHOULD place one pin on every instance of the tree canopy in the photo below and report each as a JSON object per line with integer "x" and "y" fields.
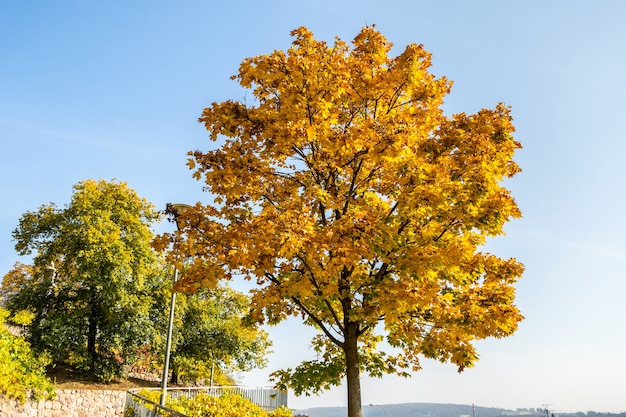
{"x": 213, "y": 337}
{"x": 350, "y": 198}
{"x": 97, "y": 294}
{"x": 88, "y": 285}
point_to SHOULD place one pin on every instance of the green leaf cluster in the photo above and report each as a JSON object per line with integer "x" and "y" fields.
{"x": 22, "y": 371}
{"x": 212, "y": 335}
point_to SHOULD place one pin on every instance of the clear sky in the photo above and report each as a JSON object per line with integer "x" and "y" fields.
{"x": 113, "y": 89}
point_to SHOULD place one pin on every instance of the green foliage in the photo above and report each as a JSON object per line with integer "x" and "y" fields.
{"x": 90, "y": 285}
{"x": 192, "y": 370}
{"x": 97, "y": 295}
{"x": 22, "y": 371}
{"x": 212, "y": 335}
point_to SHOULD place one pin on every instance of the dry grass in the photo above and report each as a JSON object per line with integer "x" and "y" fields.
{"x": 67, "y": 378}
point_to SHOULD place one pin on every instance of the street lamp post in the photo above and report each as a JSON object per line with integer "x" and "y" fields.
{"x": 176, "y": 210}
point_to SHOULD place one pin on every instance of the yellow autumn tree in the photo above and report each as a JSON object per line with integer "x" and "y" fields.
{"x": 355, "y": 203}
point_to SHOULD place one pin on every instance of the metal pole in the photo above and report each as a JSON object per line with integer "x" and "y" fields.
{"x": 168, "y": 343}
{"x": 176, "y": 210}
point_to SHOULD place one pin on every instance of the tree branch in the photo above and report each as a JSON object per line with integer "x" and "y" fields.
{"x": 317, "y": 321}
{"x": 315, "y": 284}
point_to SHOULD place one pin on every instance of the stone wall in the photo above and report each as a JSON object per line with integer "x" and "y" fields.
{"x": 69, "y": 403}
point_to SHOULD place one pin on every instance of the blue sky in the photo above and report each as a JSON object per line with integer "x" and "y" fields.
{"x": 93, "y": 89}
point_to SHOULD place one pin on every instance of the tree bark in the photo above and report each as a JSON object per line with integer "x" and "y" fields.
{"x": 92, "y": 333}
{"x": 174, "y": 378}
{"x": 353, "y": 378}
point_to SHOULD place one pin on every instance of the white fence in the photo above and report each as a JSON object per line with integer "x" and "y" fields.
{"x": 267, "y": 398}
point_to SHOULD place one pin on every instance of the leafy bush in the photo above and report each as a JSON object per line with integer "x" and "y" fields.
{"x": 205, "y": 405}
{"x": 106, "y": 368}
{"x": 23, "y": 317}
{"x": 192, "y": 371}
{"x": 22, "y": 372}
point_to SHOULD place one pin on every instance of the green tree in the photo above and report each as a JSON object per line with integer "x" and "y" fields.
{"x": 22, "y": 371}
{"x": 92, "y": 273}
{"x": 214, "y": 338}
{"x": 344, "y": 191}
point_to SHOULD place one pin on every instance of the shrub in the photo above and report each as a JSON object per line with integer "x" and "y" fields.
{"x": 205, "y": 405}
{"x": 22, "y": 372}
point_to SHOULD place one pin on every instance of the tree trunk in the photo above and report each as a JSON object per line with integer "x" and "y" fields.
{"x": 92, "y": 329}
{"x": 353, "y": 378}
{"x": 174, "y": 378}
{"x": 91, "y": 337}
